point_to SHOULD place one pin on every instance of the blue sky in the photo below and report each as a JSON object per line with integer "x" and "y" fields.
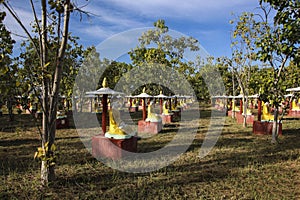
{"x": 205, "y": 20}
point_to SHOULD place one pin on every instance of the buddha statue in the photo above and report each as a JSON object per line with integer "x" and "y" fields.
{"x": 182, "y": 103}
{"x": 116, "y": 126}
{"x": 134, "y": 103}
{"x": 266, "y": 115}
{"x": 295, "y": 107}
{"x": 165, "y": 109}
{"x": 234, "y": 108}
{"x": 174, "y": 106}
{"x": 151, "y": 115}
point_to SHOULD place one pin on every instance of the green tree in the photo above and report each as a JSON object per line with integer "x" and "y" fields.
{"x": 156, "y": 46}
{"x": 8, "y": 69}
{"x": 54, "y": 20}
{"x": 243, "y": 54}
{"x": 278, "y": 44}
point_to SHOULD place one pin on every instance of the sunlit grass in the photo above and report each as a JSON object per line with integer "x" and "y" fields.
{"x": 240, "y": 166}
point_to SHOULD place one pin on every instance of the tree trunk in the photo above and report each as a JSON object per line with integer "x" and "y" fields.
{"x": 245, "y": 102}
{"x": 44, "y": 173}
{"x": 10, "y": 109}
{"x": 275, "y": 127}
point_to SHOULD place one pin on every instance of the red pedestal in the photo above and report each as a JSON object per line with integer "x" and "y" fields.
{"x": 112, "y": 148}
{"x": 62, "y": 123}
{"x": 166, "y": 119}
{"x": 294, "y": 113}
{"x": 265, "y": 128}
{"x": 229, "y": 113}
{"x": 240, "y": 119}
{"x": 149, "y": 127}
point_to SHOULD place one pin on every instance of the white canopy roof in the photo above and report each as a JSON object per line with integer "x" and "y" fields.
{"x": 102, "y": 91}
{"x": 296, "y": 89}
{"x": 143, "y": 95}
{"x": 161, "y": 96}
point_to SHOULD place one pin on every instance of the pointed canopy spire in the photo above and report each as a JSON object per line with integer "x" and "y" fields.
{"x": 104, "y": 83}
{"x": 144, "y": 90}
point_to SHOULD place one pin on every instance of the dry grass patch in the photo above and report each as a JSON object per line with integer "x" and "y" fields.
{"x": 240, "y": 166}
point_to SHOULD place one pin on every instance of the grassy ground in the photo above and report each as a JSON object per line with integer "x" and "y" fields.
{"x": 240, "y": 166}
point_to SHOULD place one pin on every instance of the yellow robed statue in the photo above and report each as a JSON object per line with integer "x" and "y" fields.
{"x": 266, "y": 115}
{"x": 234, "y": 108}
{"x": 134, "y": 103}
{"x": 294, "y": 105}
{"x": 115, "y": 129}
{"x": 151, "y": 115}
{"x": 165, "y": 109}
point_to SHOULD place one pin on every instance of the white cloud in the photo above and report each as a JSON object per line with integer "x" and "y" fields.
{"x": 96, "y": 31}
{"x": 197, "y": 9}
{"x": 111, "y": 16}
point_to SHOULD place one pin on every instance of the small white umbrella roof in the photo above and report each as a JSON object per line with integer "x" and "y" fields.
{"x": 161, "y": 96}
{"x": 288, "y": 95}
{"x": 143, "y": 95}
{"x": 254, "y": 96}
{"x": 104, "y": 90}
{"x": 296, "y": 89}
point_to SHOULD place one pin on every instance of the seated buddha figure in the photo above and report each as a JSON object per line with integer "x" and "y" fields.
{"x": 234, "y": 107}
{"x": 134, "y": 103}
{"x": 266, "y": 115}
{"x": 151, "y": 115}
{"x": 116, "y": 130}
{"x": 174, "y": 105}
{"x": 295, "y": 107}
{"x": 166, "y": 111}
{"x": 182, "y": 103}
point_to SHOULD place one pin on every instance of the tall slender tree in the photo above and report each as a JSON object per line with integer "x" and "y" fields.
{"x": 54, "y": 19}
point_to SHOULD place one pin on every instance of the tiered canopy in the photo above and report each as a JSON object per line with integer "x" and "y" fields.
{"x": 161, "y": 95}
{"x": 105, "y": 91}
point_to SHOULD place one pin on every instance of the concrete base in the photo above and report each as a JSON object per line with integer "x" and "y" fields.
{"x": 62, "y": 123}
{"x": 166, "y": 119}
{"x": 149, "y": 127}
{"x": 103, "y": 147}
{"x": 265, "y": 128}
{"x": 240, "y": 119}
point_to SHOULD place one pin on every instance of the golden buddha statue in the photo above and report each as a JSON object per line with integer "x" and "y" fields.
{"x": 295, "y": 107}
{"x": 151, "y": 115}
{"x": 266, "y": 115}
{"x": 165, "y": 109}
{"x": 115, "y": 129}
{"x": 234, "y": 108}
